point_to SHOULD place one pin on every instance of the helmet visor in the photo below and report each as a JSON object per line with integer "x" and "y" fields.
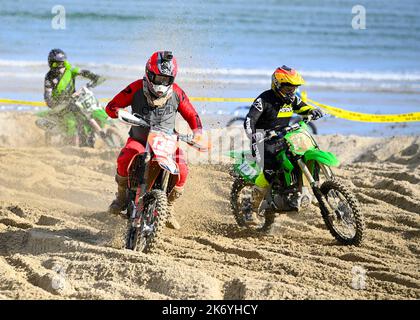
{"x": 160, "y": 80}
{"x": 57, "y": 64}
{"x": 288, "y": 89}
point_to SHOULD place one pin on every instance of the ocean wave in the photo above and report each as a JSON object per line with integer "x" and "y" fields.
{"x": 317, "y": 85}
{"x": 233, "y": 72}
{"x": 76, "y": 15}
{"x": 25, "y": 75}
{"x": 349, "y": 80}
{"x": 362, "y": 75}
{"x": 217, "y": 83}
{"x": 22, "y": 63}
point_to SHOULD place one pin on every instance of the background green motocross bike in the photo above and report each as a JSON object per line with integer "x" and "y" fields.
{"x": 82, "y": 116}
{"x": 302, "y": 166}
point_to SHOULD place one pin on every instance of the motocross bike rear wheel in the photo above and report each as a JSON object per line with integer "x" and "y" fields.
{"x": 143, "y": 229}
{"x": 341, "y": 212}
{"x": 235, "y": 120}
{"x": 240, "y": 201}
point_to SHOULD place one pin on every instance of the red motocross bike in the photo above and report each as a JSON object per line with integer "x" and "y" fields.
{"x": 152, "y": 176}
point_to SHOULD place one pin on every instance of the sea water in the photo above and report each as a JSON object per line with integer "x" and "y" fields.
{"x": 228, "y": 49}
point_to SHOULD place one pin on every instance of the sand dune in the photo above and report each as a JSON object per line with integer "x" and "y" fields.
{"x": 58, "y": 242}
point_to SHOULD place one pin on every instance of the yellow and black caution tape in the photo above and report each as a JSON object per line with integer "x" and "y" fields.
{"x": 23, "y": 102}
{"x": 367, "y": 117}
{"x": 205, "y": 99}
{"x": 337, "y": 112}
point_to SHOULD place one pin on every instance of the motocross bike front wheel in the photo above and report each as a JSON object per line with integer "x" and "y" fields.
{"x": 144, "y": 227}
{"x": 341, "y": 212}
{"x": 240, "y": 201}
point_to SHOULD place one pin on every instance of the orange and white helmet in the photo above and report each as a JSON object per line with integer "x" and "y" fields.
{"x": 285, "y": 82}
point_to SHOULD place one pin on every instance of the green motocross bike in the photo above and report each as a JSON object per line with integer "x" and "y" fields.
{"x": 302, "y": 166}
{"x": 89, "y": 121}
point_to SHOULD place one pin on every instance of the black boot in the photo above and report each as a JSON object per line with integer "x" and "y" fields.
{"x": 258, "y": 195}
{"x": 267, "y": 228}
{"x": 171, "y": 221}
{"x": 120, "y": 202}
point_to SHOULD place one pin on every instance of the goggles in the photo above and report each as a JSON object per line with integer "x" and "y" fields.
{"x": 288, "y": 89}
{"x": 57, "y": 64}
{"x": 159, "y": 79}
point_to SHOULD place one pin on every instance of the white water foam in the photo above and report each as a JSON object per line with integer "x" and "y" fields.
{"x": 344, "y": 75}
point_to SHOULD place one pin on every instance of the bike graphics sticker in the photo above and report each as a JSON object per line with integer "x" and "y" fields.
{"x": 247, "y": 170}
{"x": 164, "y": 147}
{"x": 87, "y": 101}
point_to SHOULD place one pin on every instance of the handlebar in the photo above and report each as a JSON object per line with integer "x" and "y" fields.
{"x": 187, "y": 138}
{"x": 137, "y": 120}
{"x": 95, "y": 83}
{"x": 275, "y": 132}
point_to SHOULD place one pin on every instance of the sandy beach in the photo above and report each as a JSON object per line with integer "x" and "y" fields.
{"x": 58, "y": 242}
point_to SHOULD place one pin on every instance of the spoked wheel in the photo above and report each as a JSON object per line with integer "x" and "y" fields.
{"x": 341, "y": 213}
{"x": 235, "y": 121}
{"x": 143, "y": 228}
{"x": 240, "y": 200}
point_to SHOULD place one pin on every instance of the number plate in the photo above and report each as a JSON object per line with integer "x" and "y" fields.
{"x": 247, "y": 170}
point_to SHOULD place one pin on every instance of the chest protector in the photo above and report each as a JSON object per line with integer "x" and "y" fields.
{"x": 66, "y": 85}
{"x": 163, "y": 116}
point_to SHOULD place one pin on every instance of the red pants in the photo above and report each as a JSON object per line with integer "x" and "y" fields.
{"x": 133, "y": 147}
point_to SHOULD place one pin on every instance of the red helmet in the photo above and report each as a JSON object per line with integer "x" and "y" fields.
{"x": 161, "y": 70}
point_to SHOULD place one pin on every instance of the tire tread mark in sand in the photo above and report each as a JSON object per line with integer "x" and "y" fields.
{"x": 395, "y": 199}
{"x": 38, "y": 278}
{"x": 18, "y": 280}
{"x": 394, "y": 278}
{"x": 405, "y": 176}
{"x": 409, "y": 221}
{"x": 16, "y": 210}
{"x": 374, "y": 268}
{"x": 15, "y": 223}
{"x": 364, "y": 199}
{"x": 411, "y": 234}
{"x": 382, "y": 227}
{"x": 45, "y": 220}
{"x": 359, "y": 257}
{"x": 248, "y": 254}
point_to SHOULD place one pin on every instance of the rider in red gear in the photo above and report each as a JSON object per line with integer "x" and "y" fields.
{"x": 157, "y": 99}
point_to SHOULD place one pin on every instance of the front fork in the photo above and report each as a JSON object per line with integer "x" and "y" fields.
{"x": 165, "y": 180}
{"x": 137, "y": 194}
{"x": 325, "y": 170}
{"x": 141, "y": 190}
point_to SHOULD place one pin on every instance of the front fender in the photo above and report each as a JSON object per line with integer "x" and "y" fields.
{"x": 168, "y": 165}
{"x": 323, "y": 157}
